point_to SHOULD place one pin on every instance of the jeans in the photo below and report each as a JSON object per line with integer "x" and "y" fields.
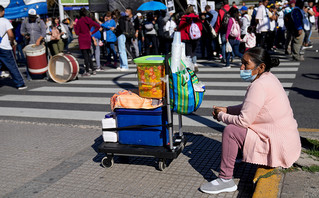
{"x": 110, "y": 47}
{"x": 235, "y": 46}
{"x": 97, "y": 53}
{"x": 122, "y": 51}
{"x": 7, "y": 59}
{"x": 223, "y": 44}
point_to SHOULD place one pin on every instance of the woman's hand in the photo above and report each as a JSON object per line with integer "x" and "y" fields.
{"x": 217, "y": 110}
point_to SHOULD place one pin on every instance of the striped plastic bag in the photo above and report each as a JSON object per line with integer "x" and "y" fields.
{"x": 183, "y": 97}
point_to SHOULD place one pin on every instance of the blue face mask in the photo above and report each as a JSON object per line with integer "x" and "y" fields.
{"x": 247, "y": 76}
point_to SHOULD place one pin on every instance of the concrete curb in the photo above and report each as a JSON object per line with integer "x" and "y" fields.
{"x": 267, "y": 182}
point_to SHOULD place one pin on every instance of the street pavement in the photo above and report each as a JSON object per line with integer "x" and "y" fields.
{"x": 50, "y": 132}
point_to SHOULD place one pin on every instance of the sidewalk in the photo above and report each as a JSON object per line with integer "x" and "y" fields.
{"x": 46, "y": 160}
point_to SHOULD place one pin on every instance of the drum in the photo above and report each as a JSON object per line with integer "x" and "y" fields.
{"x": 36, "y": 59}
{"x": 63, "y": 68}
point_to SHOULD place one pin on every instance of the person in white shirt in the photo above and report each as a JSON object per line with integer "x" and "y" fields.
{"x": 280, "y": 38}
{"x": 263, "y": 23}
{"x": 244, "y": 21}
{"x": 272, "y": 28}
{"x": 6, "y": 54}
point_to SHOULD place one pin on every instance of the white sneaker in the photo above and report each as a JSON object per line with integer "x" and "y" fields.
{"x": 124, "y": 69}
{"x": 218, "y": 186}
{"x": 118, "y": 68}
{"x": 4, "y": 75}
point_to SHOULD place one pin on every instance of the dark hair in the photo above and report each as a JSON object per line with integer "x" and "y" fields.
{"x": 53, "y": 21}
{"x": 1, "y": 8}
{"x": 233, "y": 12}
{"x": 259, "y": 55}
{"x": 149, "y": 17}
{"x": 225, "y": 2}
{"x": 83, "y": 12}
{"x": 251, "y": 29}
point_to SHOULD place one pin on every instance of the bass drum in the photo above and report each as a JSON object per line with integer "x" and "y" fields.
{"x": 63, "y": 68}
{"x": 36, "y": 58}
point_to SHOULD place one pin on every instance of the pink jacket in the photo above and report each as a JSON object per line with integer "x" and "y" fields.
{"x": 272, "y": 135}
{"x": 82, "y": 29}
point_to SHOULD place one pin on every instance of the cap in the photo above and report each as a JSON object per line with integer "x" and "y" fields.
{"x": 138, "y": 14}
{"x": 243, "y": 8}
{"x": 292, "y": 1}
{"x": 32, "y": 12}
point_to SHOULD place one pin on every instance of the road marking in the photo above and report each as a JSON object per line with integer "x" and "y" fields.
{"x": 133, "y": 82}
{"x": 207, "y": 68}
{"x": 189, "y": 120}
{"x": 95, "y": 100}
{"x": 308, "y": 130}
{"x": 200, "y": 76}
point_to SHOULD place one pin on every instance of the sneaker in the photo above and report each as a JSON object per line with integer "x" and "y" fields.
{"x": 98, "y": 69}
{"x": 227, "y": 67}
{"x": 118, "y": 68}
{"x": 22, "y": 87}
{"x": 93, "y": 72}
{"x": 124, "y": 69}
{"x": 218, "y": 186}
{"x": 93, "y": 59}
{"x": 86, "y": 74}
{"x": 4, "y": 75}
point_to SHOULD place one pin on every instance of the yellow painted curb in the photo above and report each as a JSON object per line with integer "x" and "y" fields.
{"x": 267, "y": 182}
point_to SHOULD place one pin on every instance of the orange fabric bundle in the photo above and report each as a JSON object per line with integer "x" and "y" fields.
{"x": 129, "y": 100}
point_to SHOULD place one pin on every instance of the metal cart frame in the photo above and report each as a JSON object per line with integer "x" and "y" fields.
{"x": 163, "y": 153}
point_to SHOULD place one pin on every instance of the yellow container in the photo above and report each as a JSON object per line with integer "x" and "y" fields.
{"x": 151, "y": 72}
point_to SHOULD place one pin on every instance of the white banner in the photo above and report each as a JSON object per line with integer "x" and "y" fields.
{"x": 211, "y": 4}
{"x": 203, "y": 3}
{"x": 170, "y": 6}
{"x": 194, "y": 3}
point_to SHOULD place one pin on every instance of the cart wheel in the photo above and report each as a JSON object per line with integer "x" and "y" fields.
{"x": 107, "y": 162}
{"x": 162, "y": 164}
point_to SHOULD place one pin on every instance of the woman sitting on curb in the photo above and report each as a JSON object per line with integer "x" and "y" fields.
{"x": 263, "y": 126}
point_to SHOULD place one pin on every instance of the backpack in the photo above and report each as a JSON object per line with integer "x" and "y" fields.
{"x": 194, "y": 31}
{"x": 235, "y": 29}
{"x": 129, "y": 29}
{"x": 289, "y": 23}
{"x": 224, "y": 24}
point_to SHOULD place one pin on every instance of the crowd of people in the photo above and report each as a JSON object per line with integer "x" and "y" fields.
{"x": 222, "y": 34}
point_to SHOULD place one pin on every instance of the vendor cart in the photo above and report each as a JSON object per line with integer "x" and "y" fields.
{"x": 174, "y": 143}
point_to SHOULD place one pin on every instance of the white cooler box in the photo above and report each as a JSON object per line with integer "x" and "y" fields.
{"x": 109, "y": 136}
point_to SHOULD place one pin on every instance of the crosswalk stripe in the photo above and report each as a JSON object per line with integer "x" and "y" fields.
{"x": 94, "y": 100}
{"x": 189, "y": 120}
{"x": 221, "y": 69}
{"x": 210, "y": 92}
{"x": 199, "y": 75}
{"x": 135, "y": 83}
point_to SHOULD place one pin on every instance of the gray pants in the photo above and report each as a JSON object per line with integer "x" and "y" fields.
{"x": 296, "y": 44}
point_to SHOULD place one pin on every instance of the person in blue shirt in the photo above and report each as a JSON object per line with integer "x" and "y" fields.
{"x": 297, "y": 41}
{"x": 212, "y": 16}
{"x": 109, "y": 25}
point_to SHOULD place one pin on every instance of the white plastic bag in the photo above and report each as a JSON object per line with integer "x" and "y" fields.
{"x": 228, "y": 47}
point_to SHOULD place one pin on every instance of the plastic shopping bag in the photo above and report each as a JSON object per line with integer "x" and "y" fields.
{"x": 228, "y": 47}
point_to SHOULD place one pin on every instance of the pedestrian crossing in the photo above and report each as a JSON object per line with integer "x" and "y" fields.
{"x": 87, "y": 100}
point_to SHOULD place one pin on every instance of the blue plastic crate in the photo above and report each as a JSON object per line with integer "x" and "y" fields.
{"x": 152, "y": 136}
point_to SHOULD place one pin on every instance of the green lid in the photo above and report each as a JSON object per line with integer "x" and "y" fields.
{"x": 159, "y": 59}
